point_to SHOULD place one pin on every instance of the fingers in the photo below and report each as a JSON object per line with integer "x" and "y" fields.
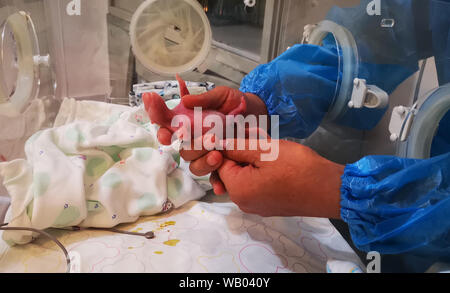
{"x": 217, "y": 184}
{"x": 244, "y": 152}
{"x": 212, "y": 100}
{"x": 207, "y": 164}
{"x": 228, "y": 171}
{"x": 234, "y": 176}
{"x": 196, "y": 150}
{"x": 190, "y": 156}
{"x": 225, "y": 100}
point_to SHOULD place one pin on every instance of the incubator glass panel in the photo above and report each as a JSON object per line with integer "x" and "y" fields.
{"x": 9, "y": 67}
{"x": 392, "y": 53}
{"x": 441, "y": 142}
{"x": 24, "y": 21}
{"x": 237, "y": 27}
{"x": 427, "y": 133}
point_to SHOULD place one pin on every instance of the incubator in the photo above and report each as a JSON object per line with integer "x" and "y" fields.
{"x": 391, "y": 92}
{"x": 111, "y": 51}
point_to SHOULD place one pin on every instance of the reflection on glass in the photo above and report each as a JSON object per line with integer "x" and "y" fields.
{"x": 8, "y": 63}
{"x": 235, "y": 26}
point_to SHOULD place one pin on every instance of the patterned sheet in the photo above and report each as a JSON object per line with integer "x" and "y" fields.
{"x": 201, "y": 237}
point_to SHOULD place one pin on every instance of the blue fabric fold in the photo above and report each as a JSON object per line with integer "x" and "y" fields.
{"x": 299, "y": 86}
{"x": 399, "y": 206}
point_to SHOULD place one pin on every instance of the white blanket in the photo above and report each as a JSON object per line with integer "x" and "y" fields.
{"x": 200, "y": 237}
{"x": 94, "y": 174}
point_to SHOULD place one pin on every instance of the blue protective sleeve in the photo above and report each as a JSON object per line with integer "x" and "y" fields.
{"x": 299, "y": 86}
{"x": 399, "y": 206}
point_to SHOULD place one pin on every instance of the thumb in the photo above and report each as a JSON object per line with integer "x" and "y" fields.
{"x": 230, "y": 174}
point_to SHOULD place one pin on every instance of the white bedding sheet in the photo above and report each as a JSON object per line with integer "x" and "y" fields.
{"x": 201, "y": 237}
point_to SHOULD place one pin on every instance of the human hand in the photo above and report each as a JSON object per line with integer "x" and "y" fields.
{"x": 298, "y": 183}
{"x": 224, "y": 100}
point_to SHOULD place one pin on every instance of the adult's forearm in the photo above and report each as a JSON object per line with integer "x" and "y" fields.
{"x": 324, "y": 197}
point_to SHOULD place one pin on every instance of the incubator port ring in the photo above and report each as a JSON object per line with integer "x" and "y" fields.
{"x": 27, "y": 84}
{"x": 426, "y": 124}
{"x": 350, "y": 63}
{"x": 147, "y": 24}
